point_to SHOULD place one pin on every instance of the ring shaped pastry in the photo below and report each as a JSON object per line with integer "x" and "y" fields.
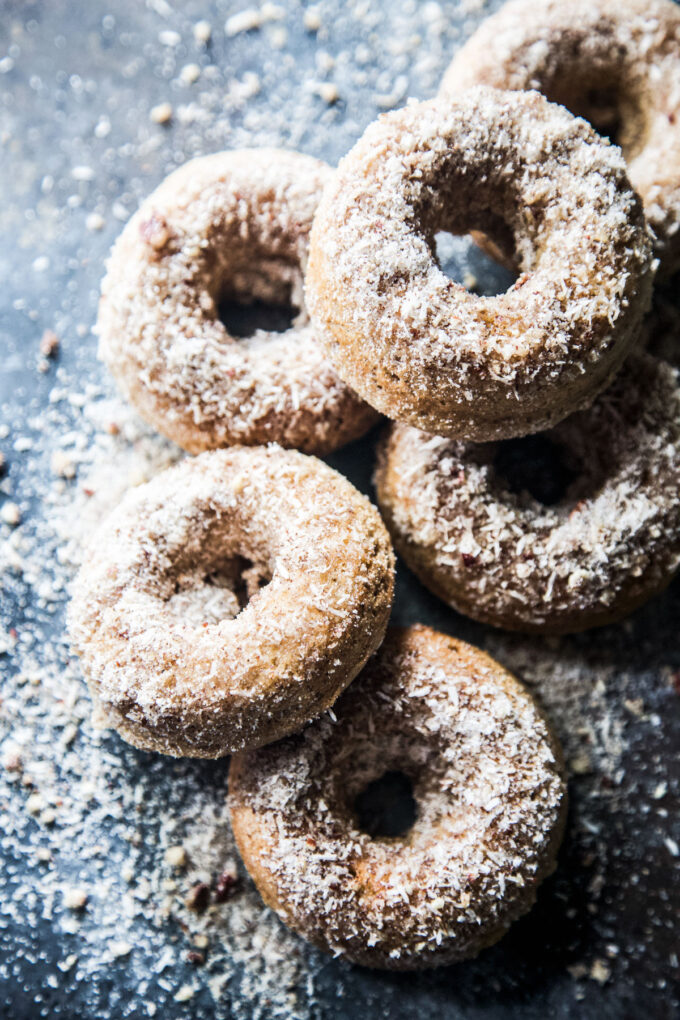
{"x": 417, "y": 345}
{"x": 604, "y": 547}
{"x": 234, "y": 225}
{"x": 169, "y": 662}
{"x": 487, "y": 781}
{"x": 614, "y": 62}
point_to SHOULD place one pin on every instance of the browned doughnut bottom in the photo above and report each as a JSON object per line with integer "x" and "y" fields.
{"x": 171, "y": 662}
{"x": 234, "y": 225}
{"x": 602, "y": 548}
{"x": 614, "y": 62}
{"x": 491, "y": 801}
{"x": 551, "y": 193}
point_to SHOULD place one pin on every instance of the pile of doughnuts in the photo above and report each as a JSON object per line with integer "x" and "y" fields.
{"x": 229, "y": 603}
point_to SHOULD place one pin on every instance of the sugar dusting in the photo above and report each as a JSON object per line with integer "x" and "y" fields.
{"x": 206, "y": 687}
{"x": 77, "y": 821}
{"x": 539, "y": 182}
{"x": 79, "y": 827}
{"x": 124, "y": 811}
{"x": 612, "y": 62}
{"x": 612, "y": 540}
{"x": 235, "y": 223}
{"x": 490, "y": 798}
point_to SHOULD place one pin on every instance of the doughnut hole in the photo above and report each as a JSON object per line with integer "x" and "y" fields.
{"x": 470, "y": 238}
{"x": 606, "y": 104}
{"x": 561, "y": 467}
{"x": 263, "y": 301}
{"x": 208, "y": 596}
{"x": 465, "y": 260}
{"x": 380, "y": 792}
{"x": 243, "y": 317}
{"x": 386, "y": 807}
{"x": 536, "y": 465}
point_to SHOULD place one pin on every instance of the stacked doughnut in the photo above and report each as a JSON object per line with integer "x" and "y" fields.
{"x": 228, "y": 603}
{"x": 465, "y": 377}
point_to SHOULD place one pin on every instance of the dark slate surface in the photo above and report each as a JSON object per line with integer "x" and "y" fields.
{"x": 69, "y": 67}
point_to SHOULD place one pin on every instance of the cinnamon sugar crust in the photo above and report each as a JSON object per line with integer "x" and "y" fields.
{"x": 491, "y": 800}
{"x": 551, "y": 193}
{"x": 171, "y": 662}
{"x": 235, "y": 225}
{"x": 614, "y": 62}
{"x": 609, "y": 544}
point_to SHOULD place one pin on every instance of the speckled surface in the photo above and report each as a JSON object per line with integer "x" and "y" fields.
{"x": 78, "y": 149}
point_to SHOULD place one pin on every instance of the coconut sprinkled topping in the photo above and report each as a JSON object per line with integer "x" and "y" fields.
{"x": 171, "y": 661}
{"x": 502, "y": 557}
{"x": 617, "y": 64}
{"x": 117, "y": 810}
{"x": 550, "y": 193}
{"x": 231, "y": 225}
{"x": 490, "y": 804}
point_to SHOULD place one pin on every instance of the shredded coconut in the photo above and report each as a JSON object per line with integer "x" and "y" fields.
{"x": 617, "y": 65}
{"x": 611, "y": 542}
{"x": 490, "y": 799}
{"x": 551, "y": 193}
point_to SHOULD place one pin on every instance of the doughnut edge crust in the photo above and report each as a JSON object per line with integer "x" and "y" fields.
{"x": 418, "y": 346}
{"x": 631, "y": 46}
{"x": 238, "y": 220}
{"x": 510, "y": 562}
{"x": 209, "y": 689}
{"x": 380, "y": 903}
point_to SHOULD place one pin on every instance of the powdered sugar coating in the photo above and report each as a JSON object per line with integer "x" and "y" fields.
{"x": 615, "y": 62}
{"x": 207, "y": 682}
{"x": 417, "y": 345}
{"x": 232, "y": 224}
{"x": 491, "y": 800}
{"x": 505, "y": 559}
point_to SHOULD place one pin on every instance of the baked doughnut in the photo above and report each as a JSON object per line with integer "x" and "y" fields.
{"x": 599, "y": 550}
{"x": 487, "y": 780}
{"x": 231, "y": 225}
{"x": 418, "y": 346}
{"x": 614, "y": 62}
{"x": 169, "y": 663}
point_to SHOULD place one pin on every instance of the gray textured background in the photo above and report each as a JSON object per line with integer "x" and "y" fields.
{"x": 66, "y": 70}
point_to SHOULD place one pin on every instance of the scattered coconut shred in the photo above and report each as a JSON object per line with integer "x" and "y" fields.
{"x": 127, "y": 858}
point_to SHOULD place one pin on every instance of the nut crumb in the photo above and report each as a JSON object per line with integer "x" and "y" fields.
{"x": 635, "y": 706}
{"x": 162, "y": 113}
{"x": 199, "y": 897}
{"x": 35, "y": 804}
{"x": 95, "y": 221}
{"x": 120, "y": 949}
{"x": 226, "y": 884}
{"x": 75, "y": 898}
{"x": 189, "y": 74}
{"x": 600, "y": 972}
{"x": 62, "y": 465}
{"x": 311, "y": 19}
{"x": 176, "y": 856}
{"x": 49, "y": 344}
{"x": 185, "y": 993}
{"x": 328, "y": 91}
{"x": 202, "y": 32}
{"x": 155, "y": 231}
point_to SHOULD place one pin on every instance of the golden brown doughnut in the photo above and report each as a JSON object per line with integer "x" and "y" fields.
{"x": 421, "y": 348}
{"x": 609, "y": 543}
{"x": 234, "y": 224}
{"x": 614, "y": 62}
{"x": 488, "y": 783}
{"x": 169, "y": 662}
